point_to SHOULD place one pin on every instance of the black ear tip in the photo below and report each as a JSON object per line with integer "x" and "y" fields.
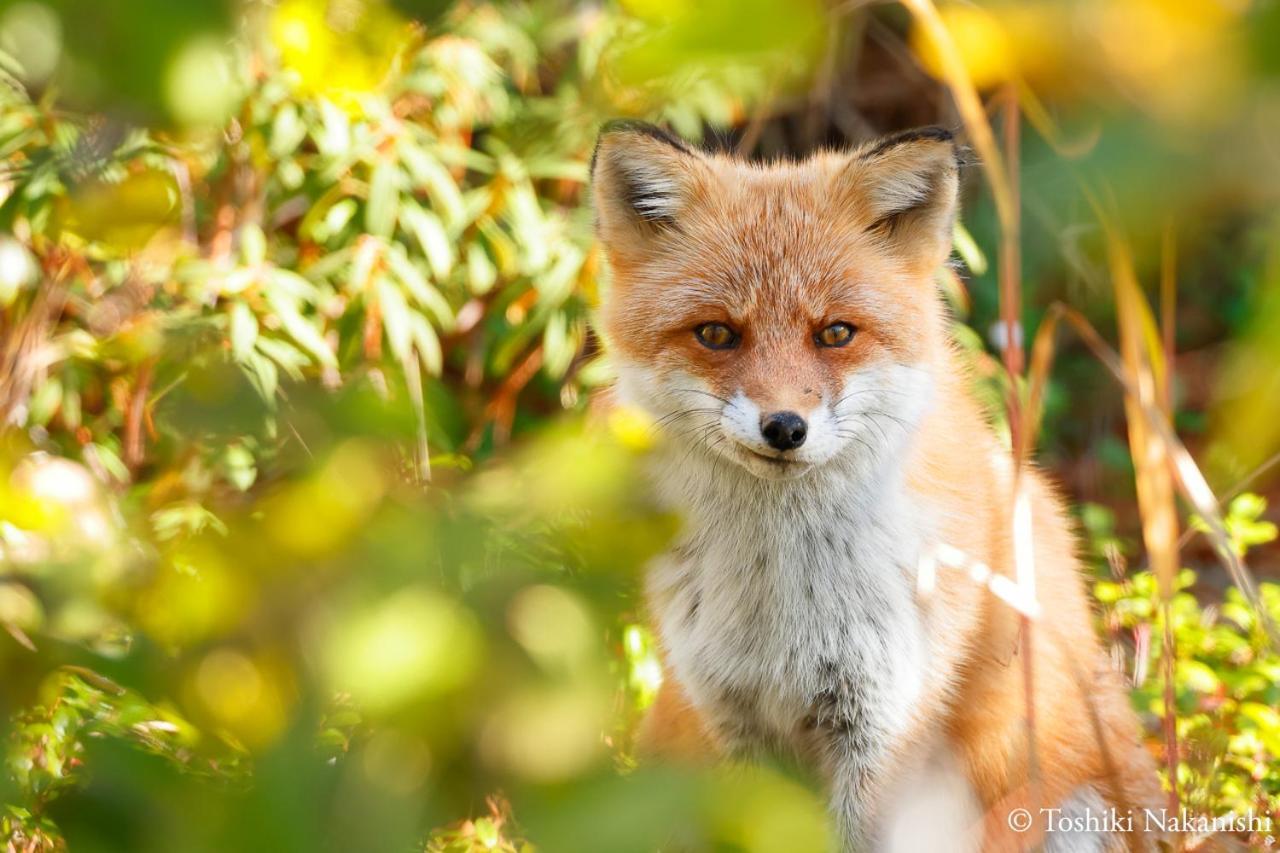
{"x": 638, "y": 128}
{"x": 931, "y": 133}
{"x": 642, "y": 128}
{"x": 936, "y": 133}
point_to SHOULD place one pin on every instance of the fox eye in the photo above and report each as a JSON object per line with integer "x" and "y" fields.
{"x": 716, "y": 336}
{"x": 835, "y": 335}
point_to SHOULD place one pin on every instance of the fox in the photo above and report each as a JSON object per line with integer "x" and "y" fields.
{"x": 780, "y": 324}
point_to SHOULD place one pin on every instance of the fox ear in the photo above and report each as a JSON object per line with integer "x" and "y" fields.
{"x": 642, "y": 178}
{"x": 905, "y": 188}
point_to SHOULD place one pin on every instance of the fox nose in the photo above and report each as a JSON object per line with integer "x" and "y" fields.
{"x": 784, "y": 430}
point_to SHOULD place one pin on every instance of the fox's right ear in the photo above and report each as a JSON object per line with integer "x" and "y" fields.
{"x": 642, "y": 178}
{"x": 905, "y": 189}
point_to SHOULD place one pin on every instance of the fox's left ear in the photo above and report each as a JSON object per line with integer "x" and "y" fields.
{"x": 905, "y": 187}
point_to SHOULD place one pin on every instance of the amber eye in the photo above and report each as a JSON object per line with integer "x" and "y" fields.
{"x": 716, "y": 336}
{"x": 835, "y": 335}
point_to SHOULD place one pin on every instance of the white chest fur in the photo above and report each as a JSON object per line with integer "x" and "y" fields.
{"x": 789, "y": 606}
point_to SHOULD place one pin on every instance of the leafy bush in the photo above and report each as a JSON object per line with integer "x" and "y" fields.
{"x": 1226, "y": 673}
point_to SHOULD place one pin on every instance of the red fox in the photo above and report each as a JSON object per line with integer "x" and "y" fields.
{"x": 781, "y": 323}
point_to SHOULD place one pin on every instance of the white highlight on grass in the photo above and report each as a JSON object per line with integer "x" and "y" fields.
{"x": 948, "y": 556}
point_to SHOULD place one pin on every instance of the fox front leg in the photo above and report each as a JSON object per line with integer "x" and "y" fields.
{"x": 852, "y": 780}
{"x": 851, "y": 724}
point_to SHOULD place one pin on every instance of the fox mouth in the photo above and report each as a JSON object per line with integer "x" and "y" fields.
{"x": 779, "y": 465}
{"x": 776, "y": 460}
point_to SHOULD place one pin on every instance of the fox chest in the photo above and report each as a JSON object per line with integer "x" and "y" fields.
{"x": 781, "y": 639}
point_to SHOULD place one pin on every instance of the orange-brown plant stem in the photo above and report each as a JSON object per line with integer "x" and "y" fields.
{"x": 1010, "y": 246}
{"x": 1170, "y": 705}
{"x": 501, "y": 409}
{"x": 1010, "y": 319}
{"x": 135, "y": 416}
{"x": 1168, "y": 311}
{"x": 1168, "y": 319}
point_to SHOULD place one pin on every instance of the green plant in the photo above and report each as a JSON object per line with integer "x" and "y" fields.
{"x": 1227, "y": 674}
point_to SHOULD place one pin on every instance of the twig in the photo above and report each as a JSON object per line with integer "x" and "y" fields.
{"x": 501, "y": 409}
{"x": 1168, "y": 319}
{"x": 133, "y": 417}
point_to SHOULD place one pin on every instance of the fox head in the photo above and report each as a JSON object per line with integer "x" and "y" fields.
{"x": 781, "y": 316}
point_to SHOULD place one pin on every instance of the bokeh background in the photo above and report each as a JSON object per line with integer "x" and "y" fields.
{"x": 303, "y": 542}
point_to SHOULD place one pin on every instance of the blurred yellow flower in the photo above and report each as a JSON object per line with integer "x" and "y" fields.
{"x": 632, "y": 427}
{"x": 982, "y": 41}
{"x": 1178, "y": 59}
{"x": 1181, "y": 57}
{"x": 338, "y": 48}
{"x": 654, "y": 11}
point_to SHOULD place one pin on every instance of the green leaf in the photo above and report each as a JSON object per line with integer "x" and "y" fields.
{"x": 481, "y": 273}
{"x": 288, "y": 357}
{"x": 244, "y": 330}
{"x": 427, "y": 343}
{"x": 486, "y": 832}
{"x": 419, "y": 288}
{"x": 334, "y": 136}
{"x": 289, "y": 284}
{"x": 558, "y": 347}
{"x": 44, "y": 401}
{"x": 431, "y": 236}
{"x": 444, "y": 193}
{"x": 1268, "y": 722}
{"x": 1198, "y": 676}
{"x": 338, "y": 216}
{"x": 555, "y": 285}
{"x": 395, "y": 318}
{"x": 253, "y": 244}
{"x": 505, "y": 253}
{"x": 366, "y": 257}
{"x": 557, "y": 168}
{"x": 110, "y": 461}
{"x": 238, "y": 467}
{"x": 287, "y": 132}
{"x": 71, "y": 410}
{"x": 968, "y": 250}
{"x": 384, "y": 197}
{"x": 307, "y": 335}
{"x": 262, "y": 375}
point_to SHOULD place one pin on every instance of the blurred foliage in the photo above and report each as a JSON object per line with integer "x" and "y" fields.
{"x": 1226, "y": 677}
{"x": 280, "y": 282}
{"x": 286, "y": 263}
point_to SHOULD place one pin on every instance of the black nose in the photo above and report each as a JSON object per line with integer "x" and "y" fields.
{"x": 784, "y": 430}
